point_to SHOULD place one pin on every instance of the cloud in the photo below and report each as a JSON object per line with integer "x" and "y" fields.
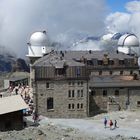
{"x": 118, "y": 22}
{"x": 133, "y": 6}
{"x": 18, "y": 19}
{"x": 128, "y": 21}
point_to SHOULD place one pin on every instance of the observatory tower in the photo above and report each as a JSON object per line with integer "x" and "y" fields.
{"x": 129, "y": 44}
{"x": 38, "y": 46}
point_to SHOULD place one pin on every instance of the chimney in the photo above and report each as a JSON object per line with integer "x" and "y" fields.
{"x": 105, "y": 59}
{"x": 44, "y": 32}
{"x": 135, "y": 76}
{"x": 90, "y": 51}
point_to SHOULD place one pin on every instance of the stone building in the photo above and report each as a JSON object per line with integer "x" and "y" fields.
{"x": 83, "y": 83}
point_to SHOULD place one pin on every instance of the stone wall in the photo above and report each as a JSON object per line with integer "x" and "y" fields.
{"x": 98, "y": 101}
{"x": 59, "y": 91}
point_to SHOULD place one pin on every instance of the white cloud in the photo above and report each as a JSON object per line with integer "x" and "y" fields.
{"x": 125, "y": 21}
{"x": 118, "y": 22}
{"x": 19, "y": 18}
{"x": 133, "y": 6}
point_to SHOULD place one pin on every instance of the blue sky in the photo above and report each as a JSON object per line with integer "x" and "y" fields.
{"x": 117, "y": 5}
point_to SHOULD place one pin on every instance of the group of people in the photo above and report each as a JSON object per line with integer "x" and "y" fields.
{"x": 111, "y": 124}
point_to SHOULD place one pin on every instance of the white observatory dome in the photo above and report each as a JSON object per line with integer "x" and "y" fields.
{"x": 128, "y": 40}
{"x": 39, "y": 39}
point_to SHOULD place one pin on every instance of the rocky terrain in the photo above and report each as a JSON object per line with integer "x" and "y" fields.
{"x": 80, "y": 129}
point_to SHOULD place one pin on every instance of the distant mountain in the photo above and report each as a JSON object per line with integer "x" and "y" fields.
{"x": 8, "y": 63}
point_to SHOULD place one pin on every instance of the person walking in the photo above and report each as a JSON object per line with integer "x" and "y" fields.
{"x": 115, "y": 124}
{"x": 110, "y": 124}
{"x": 105, "y": 122}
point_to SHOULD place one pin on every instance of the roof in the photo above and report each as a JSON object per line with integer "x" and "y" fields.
{"x": 113, "y": 81}
{"x": 74, "y": 56}
{"x": 11, "y": 104}
{"x": 14, "y": 79}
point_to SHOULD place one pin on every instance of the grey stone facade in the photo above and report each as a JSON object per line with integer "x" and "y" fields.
{"x": 69, "y": 98}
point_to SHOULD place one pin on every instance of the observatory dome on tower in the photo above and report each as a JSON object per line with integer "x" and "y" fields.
{"x": 128, "y": 44}
{"x": 38, "y": 45}
{"x": 128, "y": 40}
{"x": 39, "y": 39}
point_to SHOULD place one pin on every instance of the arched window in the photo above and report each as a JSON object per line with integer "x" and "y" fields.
{"x": 50, "y": 103}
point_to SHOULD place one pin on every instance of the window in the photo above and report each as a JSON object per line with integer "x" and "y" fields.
{"x": 78, "y": 106}
{"x": 47, "y": 85}
{"x": 59, "y": 71}
{"x": 111, "y": 62}
{"x": 73, "y": 83}
{"x": 100, "y": 62}
{"x": 121, "y": 72}
{"x": 81, "y": 83}
{"x": 131, "y": 72}
{"x": 81, "y": 93}
{"x": 116, "y": 92}
{"x": 69, "y": 106}
{"x": 100, "y": 72}
{"x": 78, "y": 83}
{"x": 78, "y": 71}
{"x": 104, "y": 92}
{"x": 50, "y": 103}
{"x": 72, "y": 93}
{"x": 81, "y": 105}
{"x": 121, "y": 62}
{"x": 93, "y": 92}
{"x": 72, "y": 106}
{"x": 110, "y": 72}
{"x": 69, "y": 93}
{"x": 138, "y": 103}
{"x": 69, "y": 83}
{"x": 78, "y": 93}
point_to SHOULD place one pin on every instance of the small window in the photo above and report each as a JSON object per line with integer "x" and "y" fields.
{"x": 78, "y": 93}
{"x": 116, "y": 92}
{"x": 78, "y": 106}
{"x": 78, "y": 71}
{"x": 72, "y": 93}
{"x": 69, "y": 83}
{"x": 131, "y": 72}
{"x": 104, "y": 93}
{"x": 111, "y": 62}
{"x": 81, "y": 93}
{"x": 69, "y": 106}
{"x": 72, "y": 106}
{"x": 50, "y": 103}
{"x": 93, "y": 92}
{"x": 121, "y": 72}
{"x": 73, "y": 83}
{"x": 110, "y": 72}
{"x": 69, "y": 93}
{"x": 81, "y": 105}
{"x": 100, "y": 62}
{"x": 100, "y": 72}
{"x": 47, "y": 85}
{"x": 121, "y": 62}
{"x": 81, "y": 83}
{"x": 138, "y": 103}
{"x": 78, "y": 83}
